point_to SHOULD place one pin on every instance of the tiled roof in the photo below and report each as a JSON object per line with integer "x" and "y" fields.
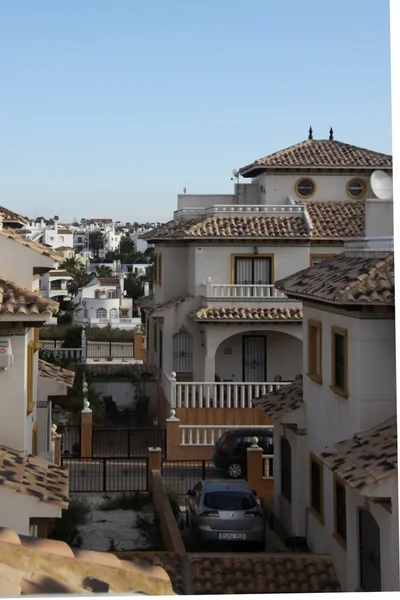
{"x": 264, "y": 574}
{"x": 9, "y": 215}
{"x": 172, "y": 563}
{"x": 108, "y": 281}
{"x": 145, "y": 302}
{"x": 323, "y": 153}
{"x": 59, "y": 273}
{"x": 169, "y": 303}
{"x": 28, "y": 474}
{"x": 64, "y": 231}
{"x": 63, "y": 248}
{"x": 60, "y": 375}
{"x": 336, "y": 220}
{"x": 367, "y": 457}
{"x": 11, "y": 235}
{"x": 345, "y": 279}
{"x": 16, "y": 300}
{"x": 30, "y": 566}
{"x": 248, "y": 314}
{"x": 281, "y": 401}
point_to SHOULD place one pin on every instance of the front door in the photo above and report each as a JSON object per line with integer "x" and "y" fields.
{"x": 254, "y": 358}
{"x": 370, "y": 552}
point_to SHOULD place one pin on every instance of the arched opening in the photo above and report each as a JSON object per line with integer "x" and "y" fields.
{"x": 183, "y": 352}
{"x": 369, "y": 552}
{"x": 114, "y": 313}
{"x": 101, "y": 313}
{"x": 259, "y": 356}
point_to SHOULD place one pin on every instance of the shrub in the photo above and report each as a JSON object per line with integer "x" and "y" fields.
{"x": 126, "y": 501}
{"x": 67, "y": 529}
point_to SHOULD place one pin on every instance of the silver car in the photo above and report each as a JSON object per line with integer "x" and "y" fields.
{"x": 225, "y": 511}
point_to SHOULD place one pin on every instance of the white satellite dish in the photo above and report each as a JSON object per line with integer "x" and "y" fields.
{"x": 235, "y": 173}
{"x": 381, "y": 185}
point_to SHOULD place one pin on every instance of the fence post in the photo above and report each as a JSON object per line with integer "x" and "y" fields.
{"x": 86, "y": 425}
{"x": 208, "y": 287}
{"x": 153, "y": 464}
{"x": 172, "y": 433}
{"x": 84, "y": 345}
{"x": 105, "y": 475}
{"x": 254, "y": 465}
{"x": 173, "y": 390}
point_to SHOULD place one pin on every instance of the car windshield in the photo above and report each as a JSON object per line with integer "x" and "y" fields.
{"x": 229, "y": 500}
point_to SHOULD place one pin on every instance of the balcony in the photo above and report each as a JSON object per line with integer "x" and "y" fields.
{"x": 227, "y": 291}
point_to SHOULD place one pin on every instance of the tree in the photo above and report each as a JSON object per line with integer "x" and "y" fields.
{"x": 103, "y": 271}
{"x": 96, "y": 242}
{"x": 81, "y": 278}
{"x": 134, "y": 285}
{"x": 126, "y": 245}
{"x": 56, "y": 218}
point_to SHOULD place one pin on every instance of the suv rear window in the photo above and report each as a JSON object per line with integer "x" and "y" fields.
{"x": 229, "y": 501}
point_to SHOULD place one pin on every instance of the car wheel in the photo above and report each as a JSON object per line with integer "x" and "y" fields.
{"x": 235, "y": 470}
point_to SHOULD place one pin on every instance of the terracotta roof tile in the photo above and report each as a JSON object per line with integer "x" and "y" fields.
{"x": 60, "y": 375}
{"x": 108, "y": 281}
{"x": 323, "y": 153}
{"x": 17, "y": 300}
{"x": 170, "y": 562}
{"x": 367, "y": 457}
{"x": 248, "y": 314}
{"x": 42, "y": 566}
{"x": 9, "y": 215}
{"x": 46, "y": 251}
{"x": 59, "y": 273}
{"x": 345, "y": 279}
{"x": 172, "y": 302}
{"x": 63, "y": 248}
{"x": 28, "y": 474}
{"x": 329, "y": 220}
{"x": 282, "y": 400}
{"x": 265, "y": 574}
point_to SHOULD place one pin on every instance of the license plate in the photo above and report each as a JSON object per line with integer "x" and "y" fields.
{"x": 232, "y": 536}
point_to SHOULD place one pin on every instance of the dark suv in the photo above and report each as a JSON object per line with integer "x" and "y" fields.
{"x": 230, "y": 452}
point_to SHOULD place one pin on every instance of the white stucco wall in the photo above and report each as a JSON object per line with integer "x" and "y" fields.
{"x": 22, "y": 262}
{"x": 17, "y": 509}
{"x": 371, "y": 379}
{"x": 46, "y": 387}
{"x": 15, "y": 425}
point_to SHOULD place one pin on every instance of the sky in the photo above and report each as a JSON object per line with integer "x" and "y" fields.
{"x": 109, "y": 108}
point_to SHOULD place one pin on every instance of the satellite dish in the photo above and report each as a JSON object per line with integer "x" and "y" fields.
{"x": 381, "y": 185}
{"x": 235, "y": 173}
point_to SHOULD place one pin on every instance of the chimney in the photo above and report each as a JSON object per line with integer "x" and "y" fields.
{"x": 378, "y": 218}
{"x": 146, "y": 289}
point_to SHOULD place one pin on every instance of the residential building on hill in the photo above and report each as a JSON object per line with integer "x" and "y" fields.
{"x": 54, "y": 236}
{"x": 34, "y": 490}
{"x": 103, "y": 303}
{"x": 216, "y": 319}
{"x": 54, "y": 285}
{"x": 335, "y": 430}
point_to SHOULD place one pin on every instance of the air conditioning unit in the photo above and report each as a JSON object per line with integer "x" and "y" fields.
{"x": 6, "y": 355}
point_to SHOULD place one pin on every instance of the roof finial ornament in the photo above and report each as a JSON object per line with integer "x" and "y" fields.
{"x": 331, "y": 134}
{"x": 310, "y": 136}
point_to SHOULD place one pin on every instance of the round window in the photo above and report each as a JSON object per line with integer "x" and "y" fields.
{"x": 305, "y": 188}
{"x": 355, "y": 189}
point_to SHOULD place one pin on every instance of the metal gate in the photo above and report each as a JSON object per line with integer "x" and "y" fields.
{"x": 127, "y": 442}
{"x": 182, "y": 475}
{"x": 113, "y": 349}
{"x": 254, "y": 358}
{"x": 104, "y": 474}
{"x": 370, "y": 552}
{"x": 182, "y": 352}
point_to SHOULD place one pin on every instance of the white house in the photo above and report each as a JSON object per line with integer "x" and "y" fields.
{"x": 103, "y": 303}
{"x": 55, "y": 236}
{"x": 41, "y": 486}
{"x": 216, "y": 315}
{"x": 335, "y": 467}
{"x": 54, "y": 285}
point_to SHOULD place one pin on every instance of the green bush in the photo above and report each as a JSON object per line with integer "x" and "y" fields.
{"x": 67, "y": 529}
{"x": 126, "y": 501}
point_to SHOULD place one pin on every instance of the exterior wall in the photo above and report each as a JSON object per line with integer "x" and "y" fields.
{"x": 15, "y": 425}
{"x": 25, "y": 258}
{"x": 379, "y": 218}
{"x": 329, "y": 187}
{"x": 371, "y": 379}
{"x": 46, "y": 387}
{"x": 17, "y": 509}
{"x": 55, "y": 239}
{"x": 174, "y": 272}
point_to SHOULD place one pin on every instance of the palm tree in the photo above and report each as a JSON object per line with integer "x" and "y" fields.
{"x": 96, "y": 242}
{"x": 71, "y": 265}
{"x": 103, "y": 271}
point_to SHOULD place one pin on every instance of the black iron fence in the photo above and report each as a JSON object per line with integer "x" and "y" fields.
{"x": 104, "y": 474}
{"x": 182, "y": 475}
{"x": 70, "y": 440}
{"x": 128, "y": 442}
{"x": 113, "y": 349}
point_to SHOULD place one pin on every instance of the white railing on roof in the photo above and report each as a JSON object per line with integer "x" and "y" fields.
{"x": 241, "y": 208}
{"x": 268, "y": 466}
{"x": 221, "y": 394}
{"x": 251, "y": 292}
{"x": 207, "y": 435}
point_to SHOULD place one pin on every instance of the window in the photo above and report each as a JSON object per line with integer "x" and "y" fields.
{"x": 101, "y": 313}
{"x": 305, "y": 188}
{"x": 114, "y": 313}
{"x": 97, "y": 294}
{"x": 182, "y": 345}
{"x": 356, "y": 188}
{"x": 123, "y": 313}
{"x": 112, "y": 294}
{"x": 315, "y": 259}
{"x": 314, "y": 340}
{"x": 61, "y": 238}
{"x": 30, "y": 378}
{"x": 317, "y": 487}
{"x": 339, "y": 503}
{"x": 248, "y": 270}
{"x": 339, "y": 362}
{"x": 286, "y": 469}
{"x": 158, "y": 268}
{"x": 229, "y": 501}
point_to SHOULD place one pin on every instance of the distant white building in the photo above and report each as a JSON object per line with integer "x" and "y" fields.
{"x": 55, "y": 236}
{"x": 140, "y": 244}
{"x": 103, "y": 303}
{"x": 111, "y": 237}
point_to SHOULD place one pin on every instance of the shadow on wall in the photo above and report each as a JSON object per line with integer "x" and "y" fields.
{"x": 123, "y": 393}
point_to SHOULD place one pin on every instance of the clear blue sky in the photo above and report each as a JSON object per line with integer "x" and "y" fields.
{"x": 108, "y": 108}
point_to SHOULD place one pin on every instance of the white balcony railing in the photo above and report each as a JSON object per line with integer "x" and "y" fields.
{"x": 207, "y": 435}
{"x": 268, "y": 466}
{"x": 73, "y": 354}
{"x": 215, "y": 394}
{"x": 250, "y": 292}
